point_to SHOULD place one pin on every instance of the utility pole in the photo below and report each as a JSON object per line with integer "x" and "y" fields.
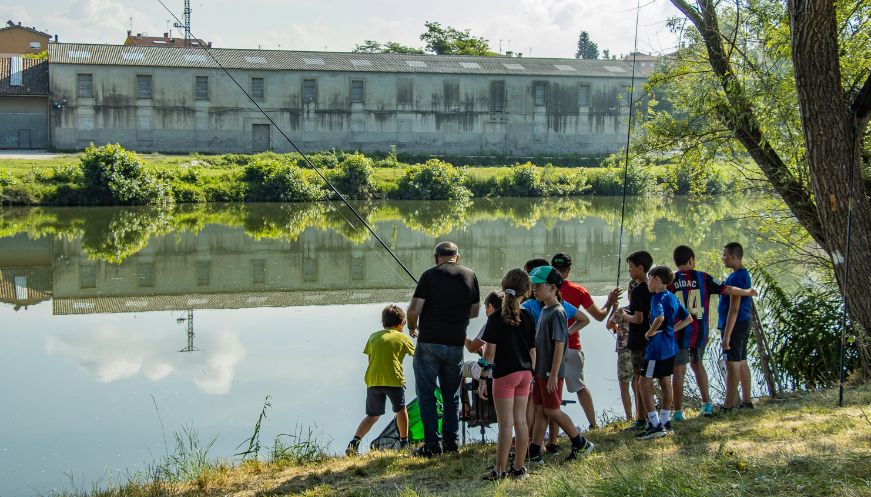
{"x": 189, "y": 321}
{"x": 186, "y": 26}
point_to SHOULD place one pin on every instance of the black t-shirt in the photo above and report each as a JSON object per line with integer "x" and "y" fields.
{"x": 512, "y": 343}
{"x": 639, "y": 301}
{"x": 449, "y": 291}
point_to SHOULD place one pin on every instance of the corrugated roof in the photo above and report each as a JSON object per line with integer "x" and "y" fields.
{"x": 284, "y": 60}
{"x": 33, "y": 74}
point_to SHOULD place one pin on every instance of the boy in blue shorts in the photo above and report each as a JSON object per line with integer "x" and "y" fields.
{"x": 734, "y": 325}
{"x": 666, "y": 317}
{"x": 384, "y": 376}
{"x": 693, "y": 290}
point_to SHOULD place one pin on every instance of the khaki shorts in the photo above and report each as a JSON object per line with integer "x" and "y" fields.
{"x": 624, "y": 365}
{"x": 575, "y": 370}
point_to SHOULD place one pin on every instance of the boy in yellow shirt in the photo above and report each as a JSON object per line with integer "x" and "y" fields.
{"x": 384, "y": 376}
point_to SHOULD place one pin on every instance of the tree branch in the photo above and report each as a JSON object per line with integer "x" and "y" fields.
{"x": 862, "y": 103}
{"x": 691, "y": 12}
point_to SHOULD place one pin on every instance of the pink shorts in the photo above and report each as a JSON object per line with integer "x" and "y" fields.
{"x": 513, "y": 385}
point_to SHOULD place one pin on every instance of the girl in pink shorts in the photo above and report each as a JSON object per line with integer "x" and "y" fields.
{"x": 509, "y": 349}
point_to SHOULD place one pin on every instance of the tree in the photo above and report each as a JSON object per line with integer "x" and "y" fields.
{"x": 445, "y": 40}
{"x": 606, "y": 54}
{"x": 586, "y": 48}
{"x": 372, "y": 46}
{"x": 805, "y": 126}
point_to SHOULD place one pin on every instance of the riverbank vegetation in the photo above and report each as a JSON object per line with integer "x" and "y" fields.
{"x": 797, "y": 445}
{"x": 110, "y": 175}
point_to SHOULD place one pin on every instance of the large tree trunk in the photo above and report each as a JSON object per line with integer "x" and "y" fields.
{"x": 833, "y": 136}
{"x": 832, "y": 131}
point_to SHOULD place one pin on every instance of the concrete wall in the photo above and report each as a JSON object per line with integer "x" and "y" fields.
{"x": 23, "y": 120}
{"x": 420, "y": 113}
{"x": 17, "y": 40}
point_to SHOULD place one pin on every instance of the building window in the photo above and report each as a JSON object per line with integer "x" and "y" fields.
{"x": 404, "y": 91}
{"x": 540, "y": 93}
{"x": 309, "y": 270}
{"x": 146, "y": 274}
{"x": 143, "y": 86}
{"x": 358, "y": 268}
{"x": 85, "y": 85}
{"x": 204, "y": 276}
{"x": 451, "y": 90}
{"x": 35, "y": 44}
{"x": 258, "y": 271}
{"x": 357, "y": 91}
{"x": 497, "y": 96}
{"x": 202, "y": 88}
{"x": 584, "y": 96}
{"x": 309, "y": 90}
{"x": 87, "y": 276}
{"x": 257, "y": 89}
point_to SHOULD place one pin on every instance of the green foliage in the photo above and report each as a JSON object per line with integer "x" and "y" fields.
{"x": 304, "y": 446}
{"x": 586, "y": 48}
{"x": 445, "y": 40}
{"x": 434, "y": 180}
{"x": 190, "y": 459}
{"x": 372, "y": 46}
{"x": 353, "y": 176}
{"x": 529, "y": 180}
{"x": 270, "y": 180}
{"x": 639, "y": 176}
{"x": 113, "y": 175}
{"x": 804, "y": 330}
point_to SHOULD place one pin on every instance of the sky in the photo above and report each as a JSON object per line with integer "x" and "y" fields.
{"x": 539, "y": 28}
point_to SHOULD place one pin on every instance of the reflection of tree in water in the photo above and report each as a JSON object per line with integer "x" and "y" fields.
{"x": 112, "y": 234}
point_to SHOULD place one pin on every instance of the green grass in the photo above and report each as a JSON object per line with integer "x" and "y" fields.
{"x": 802, "y": 445}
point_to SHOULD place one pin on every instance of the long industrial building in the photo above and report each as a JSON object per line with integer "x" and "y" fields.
{"x": 181, "y": 100}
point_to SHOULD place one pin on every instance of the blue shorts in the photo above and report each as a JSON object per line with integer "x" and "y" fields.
{"x": 376, "y": 399}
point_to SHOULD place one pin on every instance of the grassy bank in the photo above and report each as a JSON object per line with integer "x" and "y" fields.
{"x": 801, "y": 445}
{"x": 67, "y": 179}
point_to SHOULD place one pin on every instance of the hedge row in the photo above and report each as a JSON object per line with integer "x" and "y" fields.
{"x": 110, "y": 175}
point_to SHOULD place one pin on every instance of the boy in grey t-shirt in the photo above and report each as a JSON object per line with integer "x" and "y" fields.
{"x": 551, "y": 329}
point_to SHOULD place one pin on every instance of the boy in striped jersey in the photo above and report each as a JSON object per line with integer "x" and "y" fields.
{"x": 693, "y": 290}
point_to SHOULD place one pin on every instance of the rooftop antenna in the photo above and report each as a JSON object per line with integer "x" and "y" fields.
{"x": 187, "y": 23}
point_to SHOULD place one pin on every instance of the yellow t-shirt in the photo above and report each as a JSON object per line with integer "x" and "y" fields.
{"x": 386, "y": 349}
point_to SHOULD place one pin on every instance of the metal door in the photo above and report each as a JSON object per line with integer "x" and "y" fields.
{"x": 23, "y": 138}
{"x": 260, "y": 133}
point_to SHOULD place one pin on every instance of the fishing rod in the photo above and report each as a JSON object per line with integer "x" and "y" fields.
{"x": 308, "y": 161}
{"x": 844, "y": 318}
{"x": 628, "y": 138}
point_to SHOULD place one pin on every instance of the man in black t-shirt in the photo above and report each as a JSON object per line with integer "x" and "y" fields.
{"x": 637, "y": 316}
{"x": 446, "y": 297}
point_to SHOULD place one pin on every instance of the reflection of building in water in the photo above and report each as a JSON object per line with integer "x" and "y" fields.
{"x": 222, "y": 267}
{"x": 25, "y": 271}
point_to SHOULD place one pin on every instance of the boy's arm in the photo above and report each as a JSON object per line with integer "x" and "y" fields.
{"x": 734, "y": 306}
{"x": 739, "y": 292}
{"x": 474, "y": 345}
{"x": 533, "y": 357}
{"x": 654, "y": 326}
{"x": 581, "y": 320}
{"x": 684, "y": 323}
{"x": 636, "y": 317}
{"x": 559, "y": 350}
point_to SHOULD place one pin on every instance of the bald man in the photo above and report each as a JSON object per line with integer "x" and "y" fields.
{"x": 446, "y": 297}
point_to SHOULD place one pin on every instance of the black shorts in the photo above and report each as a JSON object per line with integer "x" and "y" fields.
{"x": 692, "y": 355}
{"x": 638, "y": 362}
{"x": 658, "y": 368}
{"x": 376, "y": 399}
{"x": 737, "y": 342}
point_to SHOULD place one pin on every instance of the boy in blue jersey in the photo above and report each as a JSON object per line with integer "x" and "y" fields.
{"x": 734, "y": 325}
{"x": 693, "y": 290}
{"x": 666, "y": 317}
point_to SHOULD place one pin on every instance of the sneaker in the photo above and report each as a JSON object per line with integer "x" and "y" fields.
{"x": 353, "y": 448}
{"x": 403, "y": 444}
{"x": 577, "y": 452}
{"x": 450, "y": 447}
{"x": 493, "y": 475}
{"x": 638, "y": 425}
{"x": 428, "y": 451}
{"x": 651, "y": 433}
{"x": 677, "y": 416}
{"x": 724, "y": 410}
{"x": 539, "y": 460}
{"x": 667, "y": 427}
{"x": 707, "y": 410}
{"x": 746, "y": 405}
{"x": 552, "y": 449}
{"x": 519, "y": 474}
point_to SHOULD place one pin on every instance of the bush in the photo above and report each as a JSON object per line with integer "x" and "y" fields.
{"x": 524, "y": 181}
{"x": 269, "y": 180}
{"x": 353, "y": 176}
{"x": 188, "y": 193}
{"x": 113, "y": 175}
{"x": 434, "y": 180}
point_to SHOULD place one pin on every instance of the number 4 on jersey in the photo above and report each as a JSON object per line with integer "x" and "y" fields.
{"x": 693, "y": 302}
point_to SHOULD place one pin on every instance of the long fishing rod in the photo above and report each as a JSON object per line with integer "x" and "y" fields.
{"x": 292, "y": 144}
{"x": 844, "y": 319}
{"x": 628, "y": 138}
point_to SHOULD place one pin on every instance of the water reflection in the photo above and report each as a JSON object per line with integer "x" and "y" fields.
{"x": 274, "y": 299}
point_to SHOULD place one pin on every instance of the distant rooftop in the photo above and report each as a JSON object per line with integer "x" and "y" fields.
{"x": 12, "y": 25}
{"x": 23, "y": 76}
{"x": 280, "y": 60}
{"x": 161, "y": 41}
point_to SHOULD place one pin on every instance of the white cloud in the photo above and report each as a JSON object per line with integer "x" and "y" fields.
{"x": 111, "y": 355}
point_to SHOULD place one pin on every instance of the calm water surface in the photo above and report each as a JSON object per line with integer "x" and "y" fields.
{"x": 99, "y": 368}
